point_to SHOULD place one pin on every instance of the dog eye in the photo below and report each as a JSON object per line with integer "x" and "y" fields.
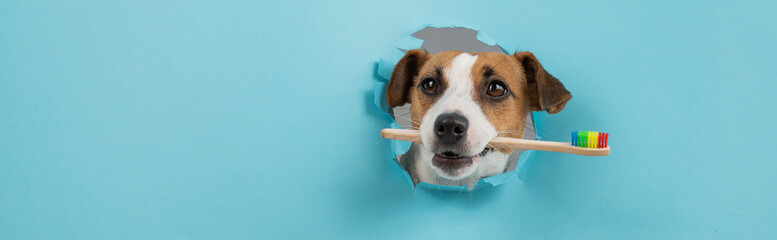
{"x": 496, "y": 89}
{"x": 429, "y": 85}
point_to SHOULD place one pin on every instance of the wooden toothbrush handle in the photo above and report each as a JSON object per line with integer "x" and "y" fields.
{"x": 514, "y": 143}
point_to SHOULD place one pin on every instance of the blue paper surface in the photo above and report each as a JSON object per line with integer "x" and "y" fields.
{"x": 254, "y": 120}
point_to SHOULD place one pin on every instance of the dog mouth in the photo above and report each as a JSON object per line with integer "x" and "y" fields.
{"x": 450, "y": 161}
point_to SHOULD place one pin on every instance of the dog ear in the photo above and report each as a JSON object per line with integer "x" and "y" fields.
{"x": 546, "y": 93}
{"x": 398, "y": 91}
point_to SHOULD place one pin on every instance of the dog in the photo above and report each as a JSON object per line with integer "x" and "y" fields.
{"x": 460, "y": 101}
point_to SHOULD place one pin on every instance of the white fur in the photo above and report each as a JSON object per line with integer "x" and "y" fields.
{"x": 458, "y": 98}
{"x": 491, "y": 164}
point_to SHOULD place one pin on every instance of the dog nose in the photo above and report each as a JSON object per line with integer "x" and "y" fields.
{"x": 450, "y": 127}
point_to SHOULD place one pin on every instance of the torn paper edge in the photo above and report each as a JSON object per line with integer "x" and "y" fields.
{"x": 396, "y": 147}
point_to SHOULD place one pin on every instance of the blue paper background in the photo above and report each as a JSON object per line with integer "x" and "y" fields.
{"x": 245, "y": 119}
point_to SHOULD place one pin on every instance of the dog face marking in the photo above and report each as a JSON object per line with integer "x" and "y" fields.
{"x": 457, "y": 100}
{"x": 460, "y": 101}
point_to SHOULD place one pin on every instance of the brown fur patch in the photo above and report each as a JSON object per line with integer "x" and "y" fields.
{"x": 406, "y": 70}
{"x": 423, "y": 102}
{"x": 546, "y": 92}
{"x": 507, "y": 114}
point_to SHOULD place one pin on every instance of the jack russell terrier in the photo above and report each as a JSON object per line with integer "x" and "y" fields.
{"x": 460, "y": 101}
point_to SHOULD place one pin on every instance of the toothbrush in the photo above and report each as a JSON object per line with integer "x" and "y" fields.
{"x": 587, "y": 143}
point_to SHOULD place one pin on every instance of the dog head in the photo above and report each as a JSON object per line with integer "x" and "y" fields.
{"x": 460, "y": 101}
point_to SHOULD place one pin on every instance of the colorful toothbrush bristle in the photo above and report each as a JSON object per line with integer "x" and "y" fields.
{"x": 589, "y": 139}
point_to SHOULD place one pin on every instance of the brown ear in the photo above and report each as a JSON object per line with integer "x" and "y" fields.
{"x": 546, "y": 93}
{"x": 398, "y": 91}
